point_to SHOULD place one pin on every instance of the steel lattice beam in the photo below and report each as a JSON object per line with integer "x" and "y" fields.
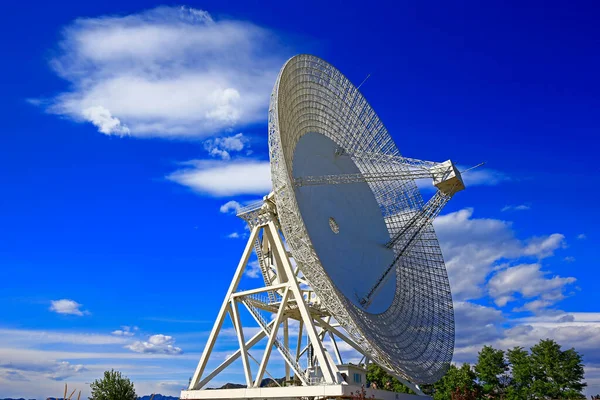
{"x": 362, "y": 177}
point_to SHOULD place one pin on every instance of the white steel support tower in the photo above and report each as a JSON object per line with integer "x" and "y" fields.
{"x": 287, "y": 296}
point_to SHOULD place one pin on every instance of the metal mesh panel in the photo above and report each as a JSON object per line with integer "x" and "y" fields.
{"x": 415, "y": 336}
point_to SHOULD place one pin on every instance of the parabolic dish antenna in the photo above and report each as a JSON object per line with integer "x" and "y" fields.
{"x": 364, "y": 265}
{"x": 356, "y": 222}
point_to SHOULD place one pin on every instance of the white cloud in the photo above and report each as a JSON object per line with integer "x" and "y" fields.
{"x": 25, "y": 358}
{"x": 581, "y": 236}
{"x": 482, "y": 176}
{"x": 476, "y": 323}
{"x": 528, "y": 281}
{"x": 54, "y": 370}
{"x": 520, "y": 207}
{"x": 583, "y": 335}
{"x": 233, "y": 235}
{"x": 536, "y": 305}
{"x": 125, "y": 331}
{"x": 221, "y": 179}
{"x": 170, "y": 388}
{"x": 65, "y": 370}
{"x": 474, "y": 247}
{"x": 156, "y": 344}
{"x": 231, "y": 207}
{"x": 566, "y": 318}
{"x": 569, "y": 259}
{"x": 173, "y": 386}
{"x": 471, "y": 247}
{"x": 67, "y": 306}
{"x": 253, "y": 270}
{"x": 223, "y": 147}
{"x": 104, "y": 121}
{"x": 10, "y": 375}
{"x": 543, "y": 247}
{"x": 169, "y": 71}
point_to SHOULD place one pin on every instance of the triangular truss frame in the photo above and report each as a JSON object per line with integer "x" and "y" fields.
{"x": 289, "y": 297}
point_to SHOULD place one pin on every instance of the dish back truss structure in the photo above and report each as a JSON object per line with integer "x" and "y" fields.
{"x": 360, "y": 262}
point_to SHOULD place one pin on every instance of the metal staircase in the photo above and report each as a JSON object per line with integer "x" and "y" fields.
{"x": 264, "y": 269}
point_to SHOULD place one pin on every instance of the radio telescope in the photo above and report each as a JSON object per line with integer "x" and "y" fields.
{"x": 346, "y": 248}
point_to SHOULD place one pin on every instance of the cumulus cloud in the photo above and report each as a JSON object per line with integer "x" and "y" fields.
{"x": 231, "y": 207}
{"x": 222, "y": 147}
{"x": 169, "y": 71}
{"x": 476, "y": 323}
{"x": 67, "y": 306}
{"x": 471, "y": 247}
{"x": 581, "y": 236}
{"x": 223, "y": 179}
{"x": 474, "y": 247}
{"x": 528, "y": 281}
{"x": 156, "y": 344}
{"x": 233, "y": 235}
{"x": 253, "y": 270}
{"x": 125, "y": 331}
{"x": 104, "y": 121}
{"x": 64, "y": 370}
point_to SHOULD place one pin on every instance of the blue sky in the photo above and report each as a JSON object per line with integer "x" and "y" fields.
{"x": 127, "y": 126}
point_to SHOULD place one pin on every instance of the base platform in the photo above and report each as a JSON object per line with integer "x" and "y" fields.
{"x": 297, "y": 392}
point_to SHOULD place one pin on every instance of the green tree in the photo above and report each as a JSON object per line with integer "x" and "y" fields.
{"x": 491, "y": 370}
{"x": 113, "y": 386}
{"x": 456, "y": 381}
{"x": 556, "y": 374}
{"x": 385, "y": 381}
{"x": 521, "y": 374}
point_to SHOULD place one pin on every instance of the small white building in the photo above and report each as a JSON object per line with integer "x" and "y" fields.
{"x": 353, "y": 374}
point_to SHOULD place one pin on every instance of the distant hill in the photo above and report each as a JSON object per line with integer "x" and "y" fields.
{"x": 267, "y": 382}
{"x": 8, "y": 398}
{"x": 231, "y": 386}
